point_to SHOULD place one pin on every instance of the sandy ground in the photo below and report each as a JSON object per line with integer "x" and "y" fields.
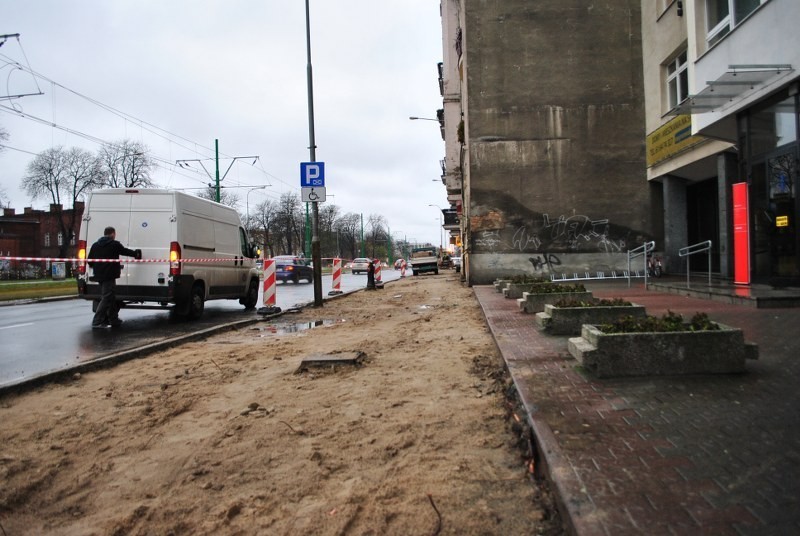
{"x": 224, "y": 436}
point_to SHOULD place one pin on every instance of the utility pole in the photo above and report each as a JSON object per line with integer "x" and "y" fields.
{"x": 216, "y": 161}
{"x": 363, "y": 253}
{"x": 184, "y": 163}
{"x": 316, "y": 254}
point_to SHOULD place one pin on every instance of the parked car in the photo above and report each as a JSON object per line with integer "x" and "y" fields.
{"x": 289, "y": 270}
{"x": 457, "y": 263}
{"x": 293, "y": 258}
{"x": 359, "y": 265}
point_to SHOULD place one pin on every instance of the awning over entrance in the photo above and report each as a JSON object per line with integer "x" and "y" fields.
{"x": 733, "y": 86}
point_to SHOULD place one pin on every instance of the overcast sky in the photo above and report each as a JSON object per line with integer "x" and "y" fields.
{"x": 182, "y": 73}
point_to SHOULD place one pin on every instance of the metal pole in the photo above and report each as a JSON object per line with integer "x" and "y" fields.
{"x": 307, "y": 248}
{"x": 362, "y": 236}
{"x": 316, "y": 254}
{"x": 216, "y": 159}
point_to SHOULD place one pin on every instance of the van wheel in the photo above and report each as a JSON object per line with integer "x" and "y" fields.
{"x": 196, "y": 303}
{"x": 251, "y": 299}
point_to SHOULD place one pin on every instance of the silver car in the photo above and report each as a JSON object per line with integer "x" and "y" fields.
{"x": 359, "y": 265}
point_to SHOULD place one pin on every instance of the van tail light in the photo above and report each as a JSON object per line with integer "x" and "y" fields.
{"x": 82, "y": 256}
{"x": 174, "y": 258}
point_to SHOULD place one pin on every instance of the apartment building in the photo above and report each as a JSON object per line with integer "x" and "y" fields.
{"x": 545, "y": 135}
{"x": 721, "y": 86}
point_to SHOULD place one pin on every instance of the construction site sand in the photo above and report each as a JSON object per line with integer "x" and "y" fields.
{"x": 224, "y": 436}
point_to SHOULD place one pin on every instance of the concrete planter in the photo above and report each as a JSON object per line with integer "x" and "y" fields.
{"x": 569, "y": 320}
{"x": 500, "y": 284}
{"x": 534, "y": 302}
{"x": 515, "y": 290}
{"x": 608, "y": 355}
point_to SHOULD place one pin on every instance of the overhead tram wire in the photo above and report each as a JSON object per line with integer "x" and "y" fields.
{"x": 141, "y": 122}
{"x": 79, "y": 134}
{"x": 127, "y": 117}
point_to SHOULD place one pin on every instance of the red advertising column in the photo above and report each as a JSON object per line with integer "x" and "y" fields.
{"x": 741, "y": 234}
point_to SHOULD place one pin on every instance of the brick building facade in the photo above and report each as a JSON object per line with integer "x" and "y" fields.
{"x": 40, "y": 233}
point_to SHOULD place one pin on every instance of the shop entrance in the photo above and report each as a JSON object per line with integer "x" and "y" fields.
{"x": 775, "y": 212}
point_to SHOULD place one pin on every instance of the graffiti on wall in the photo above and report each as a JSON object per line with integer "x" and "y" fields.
{"x": 572, "y": 234}
{"x": 546, "y": 262}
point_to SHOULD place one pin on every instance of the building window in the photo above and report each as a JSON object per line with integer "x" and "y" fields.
{"x": 47, "y": 240}
{"x": 72, "y": 240}
{"x": 677, "y": 80}
{"x": 723, "y": 15}
{"x": 60, "y": 239}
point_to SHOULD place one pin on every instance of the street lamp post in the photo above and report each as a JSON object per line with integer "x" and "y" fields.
{"x": 316, "y": 253}
{"x": 247, "y": 199}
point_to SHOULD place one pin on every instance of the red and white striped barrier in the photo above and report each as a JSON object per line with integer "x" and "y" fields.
{"x": 337, "y": 277}
{"x": 377, "y": 271}
{"x": 403, "y": 269}
{"x": 269, "y": 283}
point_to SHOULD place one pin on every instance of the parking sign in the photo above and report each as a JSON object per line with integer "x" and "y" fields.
{"x": 312, "y": 174}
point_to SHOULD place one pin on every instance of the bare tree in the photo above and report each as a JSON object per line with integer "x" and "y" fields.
{"x": 329, "y": 244}
{"x": 4, "y": 201}
{"x": 377, "y": 233}
{"x": 46, "y": 175}
{"x": 289, "y": 216}
{"x": 226, "y": 197}
{"x": 3, "y": 138}
{"x": 349, "y": 229}
{"x": 126, "y": 164}
{"x": 61, "y": 176}
{"x": 263, "y": 223}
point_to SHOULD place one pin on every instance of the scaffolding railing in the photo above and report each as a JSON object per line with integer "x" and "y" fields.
{"x": 642, "y": 251}
{"x": 694, "y": 249}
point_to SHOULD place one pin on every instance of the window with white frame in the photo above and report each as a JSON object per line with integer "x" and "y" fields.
{"x": 677, "y": 80}
{"x": 60, "y": 239}
{"x": 47, "y": 240}
{"x": 723, "y": 15}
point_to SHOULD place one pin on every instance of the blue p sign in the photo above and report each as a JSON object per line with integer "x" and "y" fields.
{"x": 312, "y": 174}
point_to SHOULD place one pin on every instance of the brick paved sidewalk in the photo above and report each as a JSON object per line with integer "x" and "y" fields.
{"x": 669, "y": 455}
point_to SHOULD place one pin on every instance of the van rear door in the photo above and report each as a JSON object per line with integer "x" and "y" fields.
{"x": 150, "y": 227}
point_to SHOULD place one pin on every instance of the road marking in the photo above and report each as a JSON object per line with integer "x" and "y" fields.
{"x": 17, "y": 326}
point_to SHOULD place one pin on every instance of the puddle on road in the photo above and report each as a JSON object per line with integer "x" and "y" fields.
{"x": 282, "y": 329}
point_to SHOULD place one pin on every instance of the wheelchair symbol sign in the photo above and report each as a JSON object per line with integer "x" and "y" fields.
{"x": 312, "y": 174}
{"x": 313, "y": 195}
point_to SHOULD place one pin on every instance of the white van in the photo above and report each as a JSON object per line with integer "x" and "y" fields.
{"x": 196, "y": 249}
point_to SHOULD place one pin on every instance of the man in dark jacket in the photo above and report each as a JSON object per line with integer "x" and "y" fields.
{"x": 106, "y": 273}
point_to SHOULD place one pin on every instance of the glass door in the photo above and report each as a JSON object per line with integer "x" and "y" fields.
{"x": 775, "y": 213}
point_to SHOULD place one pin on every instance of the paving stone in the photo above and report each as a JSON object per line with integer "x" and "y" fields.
{"x": 697, "y": 454}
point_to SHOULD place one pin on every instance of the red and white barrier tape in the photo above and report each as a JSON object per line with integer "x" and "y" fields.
{"x": 126, "y": 260}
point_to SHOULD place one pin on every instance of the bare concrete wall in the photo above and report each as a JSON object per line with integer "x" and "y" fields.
{"x": 556, "y": 135}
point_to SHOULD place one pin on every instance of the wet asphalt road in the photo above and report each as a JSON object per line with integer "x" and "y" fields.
{"x": 42, "y": 337}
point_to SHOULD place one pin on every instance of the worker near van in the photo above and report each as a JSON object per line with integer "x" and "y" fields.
{"x": 107, "y": 273}
{"x": 371, "y": 276}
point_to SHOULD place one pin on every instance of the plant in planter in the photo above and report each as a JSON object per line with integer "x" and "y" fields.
{"x": 534, "y": 300}
{"x": 661, "y": 346}
{"x": 524, "y": 283}
{"x": 567, "y": 316}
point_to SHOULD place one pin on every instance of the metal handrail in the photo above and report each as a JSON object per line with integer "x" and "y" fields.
{"x": 688, "y": 251}
{"x": 644, "y": 250}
